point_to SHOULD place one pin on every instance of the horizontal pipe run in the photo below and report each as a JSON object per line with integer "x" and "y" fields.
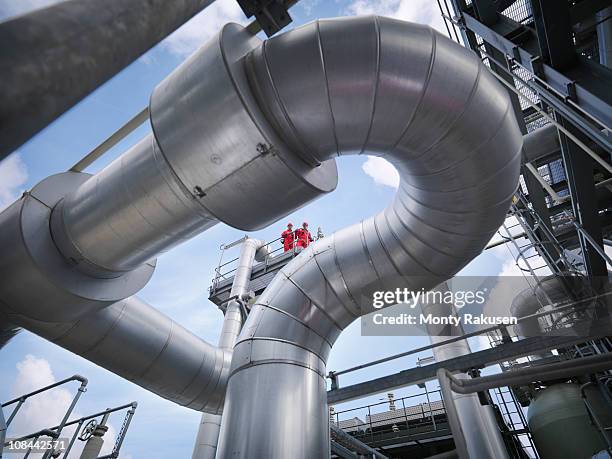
{"x": 135, "y": 341}
{"x": 449, "y": 384}
{"x": 566, "y": 369}
{"x": 556, "y": 308}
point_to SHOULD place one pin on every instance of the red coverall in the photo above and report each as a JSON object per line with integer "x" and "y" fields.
{"x": 303, "y": 237}
{"x": 287, "y": 238}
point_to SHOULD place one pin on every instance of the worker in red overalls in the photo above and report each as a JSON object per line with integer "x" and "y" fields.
{"x": 303, "y": 236}
{"x": 288, "y": 237}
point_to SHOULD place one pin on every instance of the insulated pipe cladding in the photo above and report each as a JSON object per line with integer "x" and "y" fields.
{"x": 76, "y": 247}
{"x": 429, "y": 106}
{"x": 212, "y": 157}
{"x": 210, "y": 424}
{"x": 244, "y": 133}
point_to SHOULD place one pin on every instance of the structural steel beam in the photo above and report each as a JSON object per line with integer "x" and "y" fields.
{"x": 53, "y": 57}
{"x": 553, "y": 27}
{"x": 478, "y": 359}
{"x": 598, "y": 105}
{"x": 579, "y": 172}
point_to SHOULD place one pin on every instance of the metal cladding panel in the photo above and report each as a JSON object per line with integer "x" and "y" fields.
{"x": 419, "y": 98}
{"x": 285, "y": 388}
{"x": 222, "y": 148}
{"x": 140, "y": 344}
{"x": 128, "y": 213}
{"x": 38, "y": 282}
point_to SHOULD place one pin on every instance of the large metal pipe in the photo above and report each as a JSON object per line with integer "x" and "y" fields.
{"x": 541, "y": 143}
{"x": 482, "y": 435}
{"x": 135, "y": 341}
{"x": 210, "y": 424}
{"x": 429, "y": 106}
{"x": 126, "y": 214}
{"x": 55, "y": 56}
{"x": 85, "y": 242}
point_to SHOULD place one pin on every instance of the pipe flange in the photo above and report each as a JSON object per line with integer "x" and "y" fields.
{"x": 39, "y": 282}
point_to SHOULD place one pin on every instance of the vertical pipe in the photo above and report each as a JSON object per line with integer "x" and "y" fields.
{"x": 70, "y": 60}
{"x": 477, "y": 422}
{"x": 604, "y": 36}
{"x": 210, "y": 425}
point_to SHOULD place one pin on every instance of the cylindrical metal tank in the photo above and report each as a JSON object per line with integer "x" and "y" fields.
{"x": 560, "y": 424}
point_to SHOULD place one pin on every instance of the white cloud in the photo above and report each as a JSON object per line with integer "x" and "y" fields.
{"x": 308, "y": 6}
{"x": 40, "y": 411}
{"x": 13, "y": 175}
{"x": 420, "y": 11}
{"x": 203, "y": 26}
{"x": 382, "y": 171}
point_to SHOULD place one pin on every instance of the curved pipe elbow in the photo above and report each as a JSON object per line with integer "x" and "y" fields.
{"x": 430, "y": 107}
{"x": 135, "y": 341}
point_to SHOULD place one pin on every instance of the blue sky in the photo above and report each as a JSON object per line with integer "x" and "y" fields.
{"x": 179, "y": 285}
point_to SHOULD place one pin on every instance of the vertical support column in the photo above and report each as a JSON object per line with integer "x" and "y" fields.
{"x": 482, "y": 436}
{"x": 553, "y": 27}
{"x": 210, "y": 424}
{"x": 579, "y": 171}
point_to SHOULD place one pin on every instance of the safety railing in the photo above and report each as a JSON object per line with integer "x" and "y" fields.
{"x": 274, "y": 249}
{"x": 84, "y": 427}
{"x": 409, "y": 416}
{"x": 54, "y": 432}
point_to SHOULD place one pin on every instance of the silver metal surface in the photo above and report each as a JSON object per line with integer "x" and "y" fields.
{"x": 541, "y": 143}
{"x": 483, "y": 439}
{"x": 210, "y": 424}
{"x": 214, "y": 136}
{"x": 212, "y": 156}
{"x": 406, "y": 93}
{"x": 137, "y": 342}
{"x": 127, "y": 213}
{"x": 77, "y": 245}
{"x": 37, "y": 280}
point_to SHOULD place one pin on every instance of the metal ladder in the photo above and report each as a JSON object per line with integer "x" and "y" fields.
{"x": 514, "y": 418}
